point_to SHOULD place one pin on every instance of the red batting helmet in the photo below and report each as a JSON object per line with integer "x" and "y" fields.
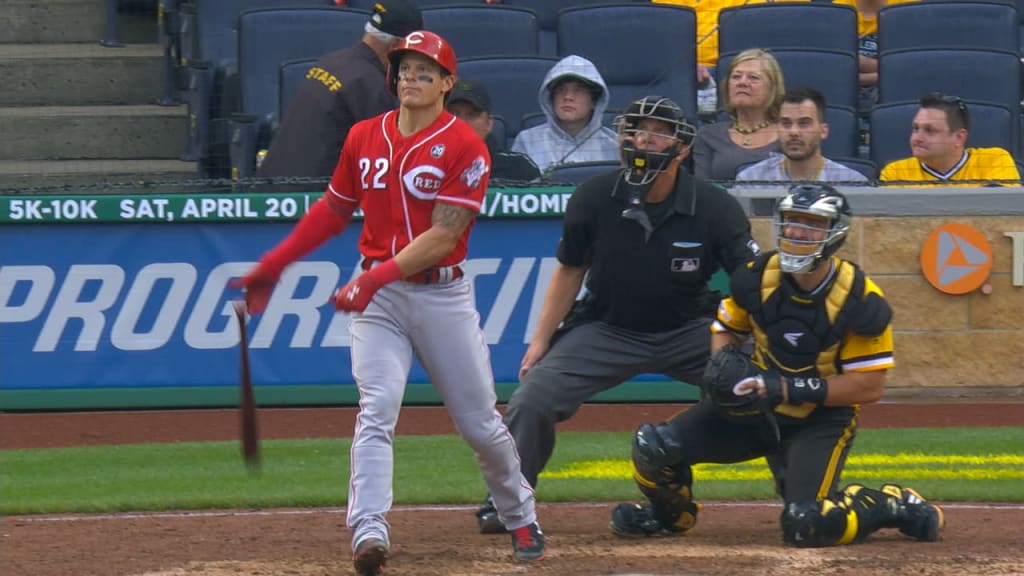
{"x": 423, "y": 42}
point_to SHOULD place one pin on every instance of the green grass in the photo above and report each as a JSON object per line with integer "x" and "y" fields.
{"x": 971, "y": 464}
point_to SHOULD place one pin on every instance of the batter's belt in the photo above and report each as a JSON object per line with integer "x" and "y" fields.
{"x": 434, "y": 275}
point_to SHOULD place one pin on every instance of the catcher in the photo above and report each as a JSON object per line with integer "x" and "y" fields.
{"x": 822, "y": 344}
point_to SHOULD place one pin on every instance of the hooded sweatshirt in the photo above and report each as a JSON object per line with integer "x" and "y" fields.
{"x": 548, "y": 145}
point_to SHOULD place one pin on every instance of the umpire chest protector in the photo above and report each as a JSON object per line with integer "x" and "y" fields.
{"x": 797, "y": 333}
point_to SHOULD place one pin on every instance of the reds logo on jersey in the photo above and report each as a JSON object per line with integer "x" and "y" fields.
{"x": 423, "y": 181}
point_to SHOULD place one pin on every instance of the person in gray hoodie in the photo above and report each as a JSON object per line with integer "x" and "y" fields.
{"x": 573, "y": 97}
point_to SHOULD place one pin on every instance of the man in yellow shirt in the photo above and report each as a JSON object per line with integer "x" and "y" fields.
{"x": 867, "y": 32}
{"x": 938, "y": 139}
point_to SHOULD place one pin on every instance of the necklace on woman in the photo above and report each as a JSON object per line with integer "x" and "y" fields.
{"x": 747, "y": 132}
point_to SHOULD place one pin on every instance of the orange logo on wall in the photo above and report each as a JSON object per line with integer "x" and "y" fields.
{"x": 956, "y": 258}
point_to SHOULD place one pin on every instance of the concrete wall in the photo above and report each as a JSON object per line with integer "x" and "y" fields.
{"x": 969, "y": 344}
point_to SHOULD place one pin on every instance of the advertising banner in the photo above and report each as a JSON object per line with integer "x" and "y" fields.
{"x": 136, "y": 305}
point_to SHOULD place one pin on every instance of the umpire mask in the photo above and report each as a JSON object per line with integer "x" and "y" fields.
{"x": 639, "y": 146}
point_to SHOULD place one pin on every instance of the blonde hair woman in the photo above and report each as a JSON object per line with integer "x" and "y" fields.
{"x": 751, "y": 94}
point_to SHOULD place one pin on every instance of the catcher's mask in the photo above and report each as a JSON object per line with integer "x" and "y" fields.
{"x": 642, "y": 162}
{"x": 422, "y": 42}
{"x": 803, "y": 244}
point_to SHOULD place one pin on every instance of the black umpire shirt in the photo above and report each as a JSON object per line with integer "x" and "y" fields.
{"x": 658, "y": 283}
{"x": 344, "y": 87}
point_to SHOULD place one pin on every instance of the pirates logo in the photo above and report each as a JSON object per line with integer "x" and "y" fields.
{"x": 437, "y": 150}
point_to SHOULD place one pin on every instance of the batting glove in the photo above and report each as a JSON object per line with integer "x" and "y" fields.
{"x": 356, "y": 295}
{"x": 257, "y": 284}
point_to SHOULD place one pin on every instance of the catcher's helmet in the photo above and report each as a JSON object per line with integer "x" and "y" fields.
{"x": 422, "y": 42}
{"x": 799, "y": 253}
{"x": 643, "y": 165}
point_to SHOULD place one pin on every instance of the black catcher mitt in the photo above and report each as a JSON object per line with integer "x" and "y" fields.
{"x": 728, "y": 366}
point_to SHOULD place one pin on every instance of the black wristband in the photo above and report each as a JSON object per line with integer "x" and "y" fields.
{"x": 800, "y": 390}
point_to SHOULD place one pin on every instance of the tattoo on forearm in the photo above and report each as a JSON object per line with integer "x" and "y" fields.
{"x": 454, "y": 218}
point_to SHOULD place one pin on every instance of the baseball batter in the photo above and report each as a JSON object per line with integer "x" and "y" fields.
{"x": 419, "y": 175}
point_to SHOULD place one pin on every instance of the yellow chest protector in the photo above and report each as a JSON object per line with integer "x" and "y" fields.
{"x": 800, "y": 334}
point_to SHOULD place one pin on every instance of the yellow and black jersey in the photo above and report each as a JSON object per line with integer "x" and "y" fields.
{"x": 975, "y": 164}
{"x": 843, "y": 326}
{"x": 707, "y": 23}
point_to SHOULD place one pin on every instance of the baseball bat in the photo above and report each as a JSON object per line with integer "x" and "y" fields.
{"x": 247, "y": 398}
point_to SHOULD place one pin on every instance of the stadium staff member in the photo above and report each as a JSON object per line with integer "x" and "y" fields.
{"x": 822, "y": 344}
{"x": 344, "y": 87}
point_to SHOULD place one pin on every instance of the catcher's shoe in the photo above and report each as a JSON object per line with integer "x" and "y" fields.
{"x": 638, "y": 521}
{"x": 370, "y": 557}
{"x": 528, "y": 543}
{"x": 915, "y": 516}
{"x": 487, "y": 518}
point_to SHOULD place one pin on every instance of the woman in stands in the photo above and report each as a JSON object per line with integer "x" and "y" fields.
{"x": 751, "y": 94}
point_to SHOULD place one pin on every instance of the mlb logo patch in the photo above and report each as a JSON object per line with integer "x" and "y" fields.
{"x": 685, "y": 264}
{"x": 437, "y": 150}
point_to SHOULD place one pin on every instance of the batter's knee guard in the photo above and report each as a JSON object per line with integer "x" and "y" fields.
{"x": 662, "y": 477}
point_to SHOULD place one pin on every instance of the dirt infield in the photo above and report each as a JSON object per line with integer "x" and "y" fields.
{"x": 731, "y": 538}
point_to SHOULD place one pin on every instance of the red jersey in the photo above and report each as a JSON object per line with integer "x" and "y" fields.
{"x": 397, "y": 180}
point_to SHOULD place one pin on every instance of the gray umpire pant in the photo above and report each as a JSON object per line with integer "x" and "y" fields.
{"x": 591, "y": 358}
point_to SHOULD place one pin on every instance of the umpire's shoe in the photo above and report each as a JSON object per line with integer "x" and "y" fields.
{"x": 370, "y": 556}
{"x": 528, "y": 543}
{"x": 487, "y": 518}
{"x": 638, "y": 521}
{"x": 915, "y": 516}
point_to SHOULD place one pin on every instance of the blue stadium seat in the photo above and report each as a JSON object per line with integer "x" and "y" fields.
{"x": 660, "y": 57}
{"x": 788, "y": 25}
{"x": 992, "y": 125}
{"x": 984, "y": 75}
{"x": 865, "y": 167}
{"x": 268, "y": 38}
{"x": 1020, "y": 27}
{"x": 547, "y": 18}
{"x": 368, "y": 4}
{"x": 290, "y": 77}
{"x": 209, "y": 48}
{"x": 843, "y": 135}
{"x": 484, "y": 30}
{"x": 831, "y": 72}
{"x": 498, "y": 139}
{"x": 512, "y": 83}
{"x": 989, "y": 24}
{"x": 579, "y": 172}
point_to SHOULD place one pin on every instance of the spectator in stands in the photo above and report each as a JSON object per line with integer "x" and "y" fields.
{"x": 938, "y": 139}
{"x": 802, "y": 129}
{"x": 867, "y": 62}
{"x": 751, "y": 96}
{"x": 573, "y": 97}
{"x": 470, "y": 102}
{"x": 867, "y": 31}
{"x": 707, "y": 33}
{"x": 344, "y": 87}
